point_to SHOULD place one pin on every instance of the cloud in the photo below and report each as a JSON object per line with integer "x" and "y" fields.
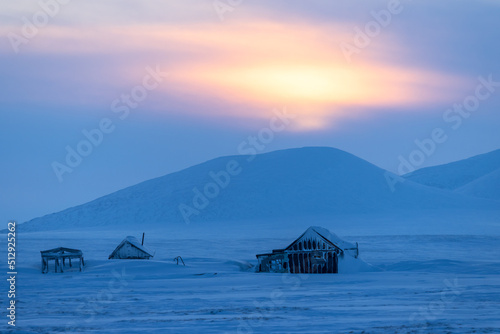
{"x": 257, "y": 63}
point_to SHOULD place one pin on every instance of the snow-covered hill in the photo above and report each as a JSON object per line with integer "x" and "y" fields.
{"x": 277, "y": 188}
{"x": 486, "y": 186}
{"x": 457, "y": 174}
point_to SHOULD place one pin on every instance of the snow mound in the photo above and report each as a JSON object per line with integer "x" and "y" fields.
{"x": 351, "y": 265}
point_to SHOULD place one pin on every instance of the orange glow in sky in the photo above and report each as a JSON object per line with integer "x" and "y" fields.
{"x": 262, "y": 64}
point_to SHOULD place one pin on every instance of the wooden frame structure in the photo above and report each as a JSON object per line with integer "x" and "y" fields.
{"x": 316, "y": 251}
{"x": 60, "y": 255}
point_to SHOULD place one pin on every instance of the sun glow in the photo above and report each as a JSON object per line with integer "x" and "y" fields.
{"x": 317, "y": 92}
{"x": 259, "y": 65}
{"x": 300, "y": 83}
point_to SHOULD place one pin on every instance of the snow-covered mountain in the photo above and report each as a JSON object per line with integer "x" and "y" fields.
{"x": 486, "y": 186}
{"x": 278, "y": 187}
{"x": 457, "y": 174}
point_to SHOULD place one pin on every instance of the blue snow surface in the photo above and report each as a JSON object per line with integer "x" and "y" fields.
{"x": 432, "y": 251}
{"x": 417, "y": 284}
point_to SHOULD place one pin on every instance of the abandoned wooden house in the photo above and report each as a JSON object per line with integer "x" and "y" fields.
{"x": 60, "y": 255}
{"x": 316, "y": 251}
{"x": 131, "y": 248}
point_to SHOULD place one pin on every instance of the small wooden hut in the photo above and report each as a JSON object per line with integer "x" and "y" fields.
{"x": 131, "y": 248}
{"x": 316, "y": 251}
{"x": 60, "y": 255}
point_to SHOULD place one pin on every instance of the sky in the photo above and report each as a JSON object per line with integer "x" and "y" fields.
{"x": 97, "y": 96}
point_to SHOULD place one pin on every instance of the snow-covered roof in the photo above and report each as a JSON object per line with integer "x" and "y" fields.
{"x": 332, "y": 237}
{"x": 327, "y": 235}
{"x": 61, "y": 250}
{"x": 134, "y": 242}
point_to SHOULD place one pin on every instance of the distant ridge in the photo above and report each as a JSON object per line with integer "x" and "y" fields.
{"x": 457, "y": 174}
{"x": 277, "y": 186}
{"x": 486, "y": 186}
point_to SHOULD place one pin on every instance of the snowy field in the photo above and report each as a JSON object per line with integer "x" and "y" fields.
{"x": 420, "y": 284}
